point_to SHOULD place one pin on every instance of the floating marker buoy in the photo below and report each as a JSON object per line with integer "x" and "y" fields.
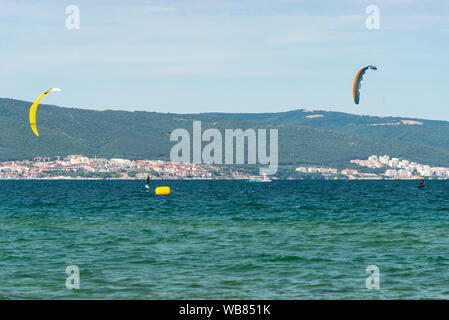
{"x": 162, "y": 191}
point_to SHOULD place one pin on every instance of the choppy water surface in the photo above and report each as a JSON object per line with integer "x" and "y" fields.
{"x": 224, "y": 239}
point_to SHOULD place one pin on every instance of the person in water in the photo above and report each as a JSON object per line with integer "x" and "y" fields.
{"x": 148, "y": 180}
{"x": 421, "y": 184}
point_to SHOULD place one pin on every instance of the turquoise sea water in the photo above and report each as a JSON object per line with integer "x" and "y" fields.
{"x": 224, "y": 239}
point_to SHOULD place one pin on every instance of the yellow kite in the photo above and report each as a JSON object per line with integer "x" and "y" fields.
{"x": 33, "y": 110}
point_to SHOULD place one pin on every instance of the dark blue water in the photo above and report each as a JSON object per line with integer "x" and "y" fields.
{"x": 224, "y": 239}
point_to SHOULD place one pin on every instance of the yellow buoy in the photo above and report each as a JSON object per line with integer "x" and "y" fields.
{"x": 162, "y": 191}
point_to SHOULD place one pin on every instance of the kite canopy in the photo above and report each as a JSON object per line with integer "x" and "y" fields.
{"x": 33, "y": 110}
{"x": 357, "y": 83}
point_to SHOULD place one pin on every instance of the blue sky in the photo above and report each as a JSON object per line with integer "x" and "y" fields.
{"x": 190, "y": 56}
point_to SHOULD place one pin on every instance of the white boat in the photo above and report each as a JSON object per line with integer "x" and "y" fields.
{"x": 264, "y": 179}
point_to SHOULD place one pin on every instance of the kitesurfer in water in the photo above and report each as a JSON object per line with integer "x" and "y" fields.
{"x": 421, "y": 184}
{"x": 148, "y": 180}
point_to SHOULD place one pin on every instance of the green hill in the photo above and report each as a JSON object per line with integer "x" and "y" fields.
{"x": 429, "y": 133}
{"x": 332, "y": 140}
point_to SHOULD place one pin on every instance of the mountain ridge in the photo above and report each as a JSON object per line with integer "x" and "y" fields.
{"x": 331, "y": 140}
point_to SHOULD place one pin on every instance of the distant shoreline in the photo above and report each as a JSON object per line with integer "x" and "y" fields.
{"x": 220, "y": 179}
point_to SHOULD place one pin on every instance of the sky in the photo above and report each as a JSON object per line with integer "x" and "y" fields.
{"x": 191, "y": 56}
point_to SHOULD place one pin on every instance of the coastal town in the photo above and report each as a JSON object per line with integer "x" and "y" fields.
{"x": 383, "y": 166}
{"x": 82, "y": 167}
{"x": 79, "y": 166}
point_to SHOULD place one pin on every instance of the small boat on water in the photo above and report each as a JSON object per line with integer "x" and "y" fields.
{"x": 264, "y": 179}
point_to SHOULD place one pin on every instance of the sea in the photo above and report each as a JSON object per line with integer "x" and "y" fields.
{"x": 296, "y": 239}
